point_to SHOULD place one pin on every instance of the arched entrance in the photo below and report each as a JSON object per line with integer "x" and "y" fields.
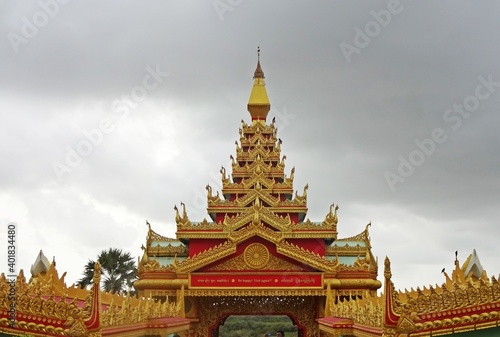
{"x": 302, "y": 310}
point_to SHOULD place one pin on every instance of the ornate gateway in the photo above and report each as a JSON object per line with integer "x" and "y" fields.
{"x": 259, "y": 254}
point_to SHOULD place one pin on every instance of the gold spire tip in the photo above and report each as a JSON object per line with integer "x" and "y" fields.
{"x": 258, "y": 71}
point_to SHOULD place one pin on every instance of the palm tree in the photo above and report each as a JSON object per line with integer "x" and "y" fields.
{"x": 118, "y": 271}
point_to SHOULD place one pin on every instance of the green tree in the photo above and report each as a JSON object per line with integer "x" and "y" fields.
{"x": 118, "y": 271}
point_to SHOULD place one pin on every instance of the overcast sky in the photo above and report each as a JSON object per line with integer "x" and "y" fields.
{"x": 113, "y": 112}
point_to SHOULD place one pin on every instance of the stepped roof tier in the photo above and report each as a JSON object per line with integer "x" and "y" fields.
{"x": 257, "y": 224}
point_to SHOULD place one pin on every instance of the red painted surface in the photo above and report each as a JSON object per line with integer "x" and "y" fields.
{"x": 268, "y": 280}
{"x": 197, "y": 246}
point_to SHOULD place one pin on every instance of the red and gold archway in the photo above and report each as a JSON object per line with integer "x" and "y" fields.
{"x": 258, "y": 251}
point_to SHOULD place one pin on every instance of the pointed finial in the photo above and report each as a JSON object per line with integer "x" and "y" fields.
{"x": 258, "y": 71}
{"x": 97, "y": 273}
{"x": 387, "y": 268}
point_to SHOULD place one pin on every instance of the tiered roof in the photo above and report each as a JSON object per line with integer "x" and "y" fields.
{"x": 258, "y": 188}
{"x": 258, "y": 203}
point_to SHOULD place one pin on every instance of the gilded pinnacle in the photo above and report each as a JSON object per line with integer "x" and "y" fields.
{"x": 258, "y": 104}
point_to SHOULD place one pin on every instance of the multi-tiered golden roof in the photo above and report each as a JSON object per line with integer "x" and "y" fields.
{"x": 257, "y": 241}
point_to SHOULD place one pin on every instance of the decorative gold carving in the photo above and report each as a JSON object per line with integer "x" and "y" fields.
{"x": 256, "y": 229}
{"x": 368, "y": 263}
{"x": 78, "y": 329}
{"x": 211, "y": 198}
{"x": 331, "y": 218}
{"x": 169, "y": 250}
{"x": 301, "y": 254}
{"x": 462, "y": 303}
{"x": 364, "y": 308}
{"x": 97, "y": 273}
{"x": 202, "y": 235}
{"x": 157, "y": 237}
{"x": 301, "y": 199}
{"x": 387, "y": 268}
{"x": 246, "y": 184}
{"x": 439, "y": 299}
{"x": 200, "y": 226}
{"x": 405, "y": 325}
{"x": 257, "y": 137}
{"x": 262, "y": 128}
{"x": 346, "y": 250}
{"x": 149, "y": 265}
{"x": 238, "y": 263}
{"x": 206, "y": 257}
{"x": 134, "y": 311}
{"x": 223, "y": 174}
{"x": 262, "y": 213}
{"x": 44, "y": 305}
{"x": 360, "y": 264}
{"x": 257, "y": 150}
{"x": 256, "y": 256}
{"x": 363, "y": 236}
{"x": 259, "y": 166}
{"x": 264, "y": 195}
{"x": 182, "y": 221}
{"x": 314, "y": 227}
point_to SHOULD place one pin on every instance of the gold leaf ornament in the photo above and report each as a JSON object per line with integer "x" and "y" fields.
{"x": 256, "y": 256}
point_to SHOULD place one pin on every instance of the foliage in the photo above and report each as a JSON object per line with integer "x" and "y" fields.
{"x": 256, "y": 326}
{"x": 118, "y": 271}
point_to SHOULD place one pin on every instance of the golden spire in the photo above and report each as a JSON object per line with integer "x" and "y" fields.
{"x": 258, "y": 104}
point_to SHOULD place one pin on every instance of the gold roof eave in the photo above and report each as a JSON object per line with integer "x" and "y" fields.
{"x": 226, "y": 235}
{"x": 241, "y": 209}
